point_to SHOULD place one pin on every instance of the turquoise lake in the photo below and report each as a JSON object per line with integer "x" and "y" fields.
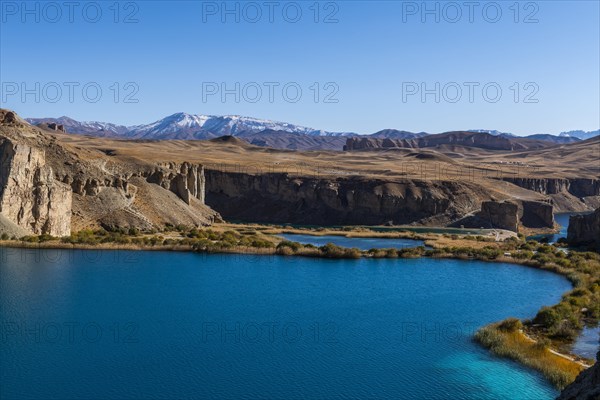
{"x": 98, "y": 324}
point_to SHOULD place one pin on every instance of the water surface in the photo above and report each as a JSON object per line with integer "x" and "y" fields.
{"x": 357, "y": 242}
{"x": 588, "y": 343}
{"x": 86, "y": 324}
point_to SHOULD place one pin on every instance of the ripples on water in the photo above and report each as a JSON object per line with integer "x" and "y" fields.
{"x": 186, "y": 325}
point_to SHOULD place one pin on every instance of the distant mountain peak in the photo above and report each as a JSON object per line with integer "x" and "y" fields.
{"x": 583, "y": 135}
{"x": 492, "y": 132}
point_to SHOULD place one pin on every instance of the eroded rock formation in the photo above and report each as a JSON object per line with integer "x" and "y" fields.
{"x": 186, "y": 182}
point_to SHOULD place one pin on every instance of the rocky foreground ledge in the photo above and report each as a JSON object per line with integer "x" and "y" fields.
{"x": 586, "y": 386}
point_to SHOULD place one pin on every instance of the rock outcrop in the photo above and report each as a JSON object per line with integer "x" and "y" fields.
{"x": 584, "y": 229}
{"x": 30, "y": 196}
{"x": 586, "y": 386}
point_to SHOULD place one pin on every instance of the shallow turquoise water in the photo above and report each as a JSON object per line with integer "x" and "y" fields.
{"x": 79, "y": 324}
{"x": 359, "y": 243}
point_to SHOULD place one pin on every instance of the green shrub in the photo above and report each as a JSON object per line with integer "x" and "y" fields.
{"x": 547, "y": 317}
{"x": 294, "y": 246}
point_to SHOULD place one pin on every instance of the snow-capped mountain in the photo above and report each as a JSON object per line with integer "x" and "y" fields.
{"x": 205, "y": 126}
{"x": 580, "y": 134}
{"x": 186, "y": 126}
{"x": 102, "y": 129}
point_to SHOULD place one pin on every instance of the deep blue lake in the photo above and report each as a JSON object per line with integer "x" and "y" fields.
{"x": 91, "y": 324}
{"x": 358, "y": 242}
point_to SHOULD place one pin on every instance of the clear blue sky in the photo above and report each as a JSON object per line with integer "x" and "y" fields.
{"x": 371, "y": 52}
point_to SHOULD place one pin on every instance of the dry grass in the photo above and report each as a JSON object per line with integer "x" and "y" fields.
{"x": 513, "y": 344}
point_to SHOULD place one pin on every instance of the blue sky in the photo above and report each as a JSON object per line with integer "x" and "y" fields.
{"x": 370, "y": 61}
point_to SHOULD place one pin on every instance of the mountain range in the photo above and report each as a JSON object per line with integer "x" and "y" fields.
{"x": 260, "y": 132}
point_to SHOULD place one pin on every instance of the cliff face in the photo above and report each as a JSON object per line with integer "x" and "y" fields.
{"x": 584, "y": 229}
{"x": 579, "y": 187}
{"x": 281, "y": 198}
{"x": 50, "y": 188}
{"x": 586, "y": 386}
{"x": 29, "y": 194}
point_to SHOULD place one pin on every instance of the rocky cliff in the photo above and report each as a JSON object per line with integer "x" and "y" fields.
{"x": 584, "y": 229}
{"x": 51, "y": 188}
{"x": 30, "y": 196}
{"x": 586, "y": 386}
{"x": 279, "y": 198}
